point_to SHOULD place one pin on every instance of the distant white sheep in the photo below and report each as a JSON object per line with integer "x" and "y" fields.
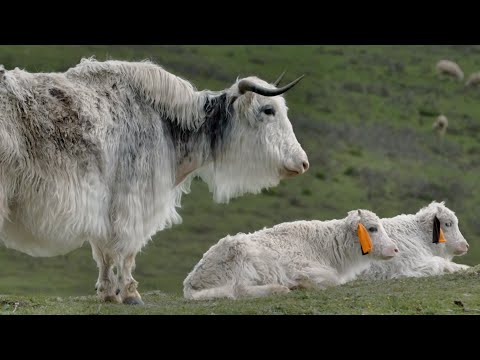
{"x": 473, "y": 79}
{"x": 300, "y": 254}
{"x": 450, "y": 68}
{"x": 427, "y": 242}
{"x": 440, "y": 125}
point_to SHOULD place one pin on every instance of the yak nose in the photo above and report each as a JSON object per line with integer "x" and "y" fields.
{"x": 296, "y": 166}
{"x": 467, "y": 246}
{"x": 306, "y": 165}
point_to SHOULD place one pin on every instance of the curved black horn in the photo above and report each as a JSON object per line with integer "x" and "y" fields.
{"x": 277, "y": 82}
{"x": 247, "y": 85}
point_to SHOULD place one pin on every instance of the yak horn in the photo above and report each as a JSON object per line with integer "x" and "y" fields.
{"x": 277, "y": 82}
{"x": 247, "y": 85}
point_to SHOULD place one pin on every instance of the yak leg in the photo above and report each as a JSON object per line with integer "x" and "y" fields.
{"x": 128, "y": 285}
{"x": 107, "y": 283}
{"x": 239, "y": 291}
{"x": 261, "y": 290}
{"x": 317, "y": 277}
{"x": 4, "y": 211}
{"x": 213, "y": 293}
{"x": 451, "y": 267}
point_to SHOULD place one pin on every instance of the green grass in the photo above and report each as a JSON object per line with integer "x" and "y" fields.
{"x": 448, "y": 294}
{"x": 363, "y": 114}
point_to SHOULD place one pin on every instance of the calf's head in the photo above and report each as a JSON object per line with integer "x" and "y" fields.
{"x": 369, "y": 235}
{"x": 442, "y": 234}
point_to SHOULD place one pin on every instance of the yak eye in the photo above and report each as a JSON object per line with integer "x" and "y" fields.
{"x": 372, "y": 229}
{"x": 268, "y": 110}
{"x": 448, "y": 224}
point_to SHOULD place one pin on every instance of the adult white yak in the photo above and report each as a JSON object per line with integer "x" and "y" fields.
{"x": 103, "y": 152}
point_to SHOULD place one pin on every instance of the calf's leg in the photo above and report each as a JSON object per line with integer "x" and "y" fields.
{"x": 213, "y": 293}
{"x": 261, "y": 290}
{"x": 317, "y": 277}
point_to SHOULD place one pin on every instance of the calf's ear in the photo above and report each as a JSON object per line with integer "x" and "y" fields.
{"x": 364, "y": 238}
{"x": 352, "y": 220}
{"x": 437, "y": 232}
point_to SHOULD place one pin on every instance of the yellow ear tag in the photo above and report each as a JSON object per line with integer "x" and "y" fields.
{"x": 441, "y": 238}
{"x": 365, "y": 240}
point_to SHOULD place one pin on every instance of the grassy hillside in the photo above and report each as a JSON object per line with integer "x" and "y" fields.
{"x": 363, "y": 114}
{"x": 449, "y": 294}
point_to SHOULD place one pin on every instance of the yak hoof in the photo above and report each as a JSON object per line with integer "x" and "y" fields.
{"x": 111, "y": 299}
{"x": 133, "y": 301}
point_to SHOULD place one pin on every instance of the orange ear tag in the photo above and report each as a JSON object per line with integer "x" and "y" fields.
{"x": 441, "y": 238}
{"x": 365, "y": 240}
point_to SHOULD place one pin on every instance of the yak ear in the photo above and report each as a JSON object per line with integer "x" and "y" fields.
{"x": 366, "y": 244}
{"x": 437, "y": 232}
{"x": 353, "y": 218}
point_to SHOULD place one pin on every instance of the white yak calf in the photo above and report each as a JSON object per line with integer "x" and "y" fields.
{"x": 427, "y": 240}
{"x": 300, "y": 254}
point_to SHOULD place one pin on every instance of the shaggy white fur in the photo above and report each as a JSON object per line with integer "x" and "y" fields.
{"x": 103, "y": 152}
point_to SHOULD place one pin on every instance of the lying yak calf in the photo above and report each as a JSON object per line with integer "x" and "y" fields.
{"x": 427, "y": 240}
{"x": 300, "y": 254}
